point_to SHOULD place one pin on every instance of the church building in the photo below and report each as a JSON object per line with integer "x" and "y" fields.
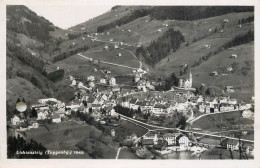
{"x": 186, "y": 83}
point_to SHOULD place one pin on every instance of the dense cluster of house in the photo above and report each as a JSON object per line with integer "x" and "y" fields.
{"x": 141, "y": 83}
{"x": 174, "y": 140}
{"x": 48, "y": 108}
{"x": 184, "y": 101}
{"x": 236, "y": 145}
{"x": 170, "y": 141}
{"x": 158, "y": 103}
{"x": 220, "y": 104}
{"x": 153, "y": 102}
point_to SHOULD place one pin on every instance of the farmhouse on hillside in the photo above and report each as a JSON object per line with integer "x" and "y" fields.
{"x": 214, "y": 73}
{"x": 233, "y": 56}
{"x": 230, "y": 89}
{"x": 15, "y": 120}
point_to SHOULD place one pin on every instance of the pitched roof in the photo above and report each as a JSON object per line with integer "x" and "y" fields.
{"x": 232, "y": 141}
{"x": 180, "y": 99}
{"x": 60, "y": 111}
{"x": 229, "y": 87}
{"x": 126, "y": 142}
{"x": 91, "y": 99}
{"x": 108, "y": 108}
{"x": 40, "y": 111}
{"x": 96, "y": 105}
{"x": 55, "y": 116}
{"x": 124, "y": 91}
{"x": 171, "y": 135}
{"x": 133, "y": 101}
{"x": 150, "y": 133}
{"x": 147, "y": 141}
{"x": 150, "y": 103}
{"x": 160, "y": 106}
{"x": 125, "y": 99}
{"x": 51, "y": 102}
{"x": 139, "y": 103}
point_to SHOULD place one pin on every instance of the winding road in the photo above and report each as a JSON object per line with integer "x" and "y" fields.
{"x": 118, "y": 151}
{"x": 195, "y": 119}
{"x": 110, "y": 63}
{"x": 115, "y": 42}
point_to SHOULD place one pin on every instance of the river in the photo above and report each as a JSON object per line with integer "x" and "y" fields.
{"x": 127, "y": 154}
{"x": 184, "y": 155}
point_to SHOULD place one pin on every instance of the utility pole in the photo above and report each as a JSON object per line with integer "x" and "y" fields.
{"x": 231, "y": 154}
{"x": 240, "y": 148}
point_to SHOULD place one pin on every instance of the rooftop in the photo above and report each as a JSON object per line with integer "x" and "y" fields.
{"x": 147, "y": 141}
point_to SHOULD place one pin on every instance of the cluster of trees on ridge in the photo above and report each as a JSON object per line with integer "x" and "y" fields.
{"x": 246, "y": 20}
{"x": 238, "y": 40}
{"x": 176, "y": 12}
{"x": 32, "y": 26}
{"x": 69, "y": 53}
{"x": 19, "y": 144}
{"x": 195, "y": 12}
{"x": 125, "y": 19}
{"x": 167, "y": 83}
{"x": 160, "y": 48}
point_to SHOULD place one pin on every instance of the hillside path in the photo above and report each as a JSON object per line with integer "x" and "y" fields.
{"x": 195, "y": 119}
{"x": 115, "y": 42}
{"x": 110, "y": 63}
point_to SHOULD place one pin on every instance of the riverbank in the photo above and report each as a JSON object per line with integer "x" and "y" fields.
{"x": 125, "y": 153}
{"x": 183, "y": 155}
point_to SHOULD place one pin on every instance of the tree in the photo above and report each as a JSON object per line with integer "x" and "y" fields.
{"x": 160, "y": 48}
{"x": 18, "y": 100}
{"x": 182, "y": 123}
{"x": 215, "y": 30}
{"x": 239, "y": 22}
{"x": 19, "y": 144}
{"x": 139, "y": 110}
{"x": 34, "y": 113}
{"x": 201, "y": 90}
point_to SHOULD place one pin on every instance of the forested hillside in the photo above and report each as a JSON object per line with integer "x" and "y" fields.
{"x": 195, "y": 12}
{"x": 160, "y": 48}
{"x": 28, "y": 47}
{"x": 22, "y": 20}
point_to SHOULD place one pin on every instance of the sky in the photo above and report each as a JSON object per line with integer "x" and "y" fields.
{"x": 68, "y": 15}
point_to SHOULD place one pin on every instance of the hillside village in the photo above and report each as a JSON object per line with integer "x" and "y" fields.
{"x": 140, "y": 103}
{"x": 139, "y": 95}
